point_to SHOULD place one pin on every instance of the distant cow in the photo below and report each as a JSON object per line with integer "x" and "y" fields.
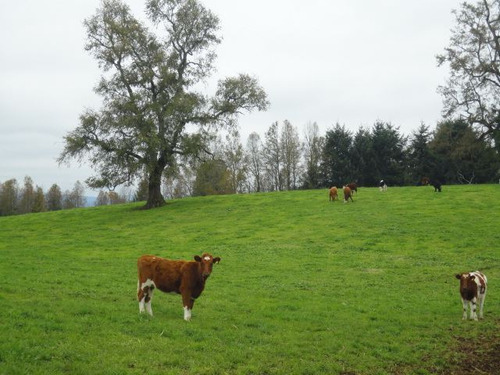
{"x": 353, "y": 187}
{"x": 473, "y": 287}
{"x": 179, "y": 276}
{"x": 434, "y": 182}
{"x": 437, "y": 185}
{"x": 382, "y": 185}
{"x": 347, "y": 194}
{"x": 333, "y": 193}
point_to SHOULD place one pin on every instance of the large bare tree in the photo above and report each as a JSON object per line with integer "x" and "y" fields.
{"x": 313, "y": 148}
{"x": 473, "y": 55}
{"x": 149, "y": 89}
{"x": 255, "y": 161}
{"x": 272, "y": 156}
{"x": 291, "y": 153}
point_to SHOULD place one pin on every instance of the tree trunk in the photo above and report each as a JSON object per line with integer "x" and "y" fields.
{"x": 155, "y": 198}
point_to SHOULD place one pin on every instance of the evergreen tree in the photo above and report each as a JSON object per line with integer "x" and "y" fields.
{"x": 420, "y": 159}
{"x": 362, "y": 159}
{"x": 336, "y": 165}
{"x": 388, "y": 148}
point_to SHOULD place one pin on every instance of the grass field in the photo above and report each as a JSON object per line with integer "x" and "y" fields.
{"x": 305, "y": 286}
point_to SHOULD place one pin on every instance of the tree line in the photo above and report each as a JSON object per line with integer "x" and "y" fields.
{"x": 454, "y": 153}
{"x": 16, "y": 200}
{"x": 286, "y": 159}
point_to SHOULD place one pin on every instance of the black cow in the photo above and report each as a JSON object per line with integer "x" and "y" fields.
{"x": 437, "y": 185}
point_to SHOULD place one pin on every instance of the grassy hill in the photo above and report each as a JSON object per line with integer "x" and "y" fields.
{"x": 305, "y": 286}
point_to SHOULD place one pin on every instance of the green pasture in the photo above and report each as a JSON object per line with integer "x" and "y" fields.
{"x": 305, "y": 286}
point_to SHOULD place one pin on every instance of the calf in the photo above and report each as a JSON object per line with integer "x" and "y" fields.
{"x": 382, "y": 185}
{"x": 333, "y": 193}
{"x": 434, "y": 182}
{"x": 178, "y": 276}
{"x": 473, "y": 287}
{"x": 347, "y": 194}
{"x": 437, "y": 185}
{"x": 353, "y": 186}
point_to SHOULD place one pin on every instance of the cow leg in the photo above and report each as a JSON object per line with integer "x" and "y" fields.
{"x": 140, "y": 297}
{"x": 473, "y": 305}
{"x": 187, "y": 314}
{"x": 144, "y": 295}
{"x": 187, "y": 302}
{"x": 149, "y": 297}
{"x": 465, "y": 303}
{"x": 481, "y": 304}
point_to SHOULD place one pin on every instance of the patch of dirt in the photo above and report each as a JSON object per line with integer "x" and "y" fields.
{"x": 467, "y": 356}
{"x": 476, "y": 356}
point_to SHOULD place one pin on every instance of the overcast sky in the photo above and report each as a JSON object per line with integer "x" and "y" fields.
{"x": 324, "y": 61}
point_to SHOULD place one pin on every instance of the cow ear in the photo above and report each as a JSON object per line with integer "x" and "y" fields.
{"x": 472, "y": 277}
{"x": 216, "y": 259}
{"x": 197, "y": 258}
{"x": 458, "y": 276}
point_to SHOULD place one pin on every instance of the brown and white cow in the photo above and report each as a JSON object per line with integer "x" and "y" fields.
{"x": 473, "y": 287}
{"x": 333, "y": 193}
{"x": 178, "y": 276}
{"x": 347, "y": 194}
